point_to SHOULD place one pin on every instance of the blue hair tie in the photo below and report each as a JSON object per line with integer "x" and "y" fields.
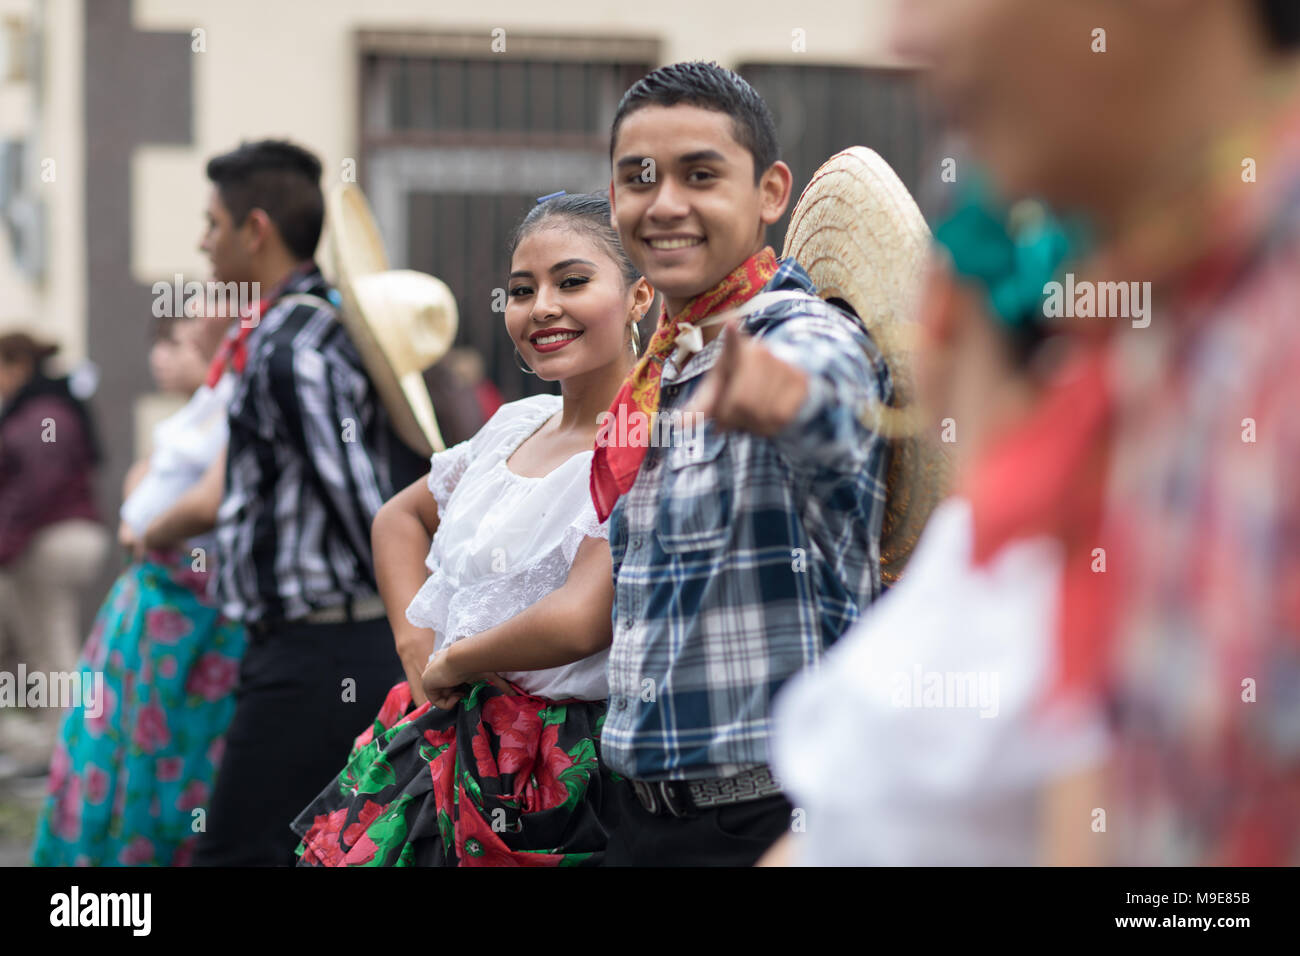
{"x": 542, "y": 199}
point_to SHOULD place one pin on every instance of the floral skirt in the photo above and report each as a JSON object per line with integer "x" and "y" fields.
{"x": 130, "y": 770}
{"x": 499, "y": 780}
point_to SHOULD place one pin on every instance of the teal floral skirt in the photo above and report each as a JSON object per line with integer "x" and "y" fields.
{"x": 131, "y": 773}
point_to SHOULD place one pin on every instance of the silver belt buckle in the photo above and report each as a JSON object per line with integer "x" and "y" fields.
{"x": 654, "y": 796}
{"x": 646, "y": 795}
{"x": 724, "y": 791}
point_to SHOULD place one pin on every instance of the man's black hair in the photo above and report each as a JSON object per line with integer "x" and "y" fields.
{"x": 1281, "y": 23}
{"x": 281, "y": 179}
{"x": 709, "y": 87}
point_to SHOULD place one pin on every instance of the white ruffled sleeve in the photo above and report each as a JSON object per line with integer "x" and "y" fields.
{"x": 585, "y": 525}
{"x": 508, "y": 425}
{"x": 446, "y": 468}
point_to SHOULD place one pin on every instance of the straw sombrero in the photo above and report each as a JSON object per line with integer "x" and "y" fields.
{"x": 863, "y": 241}
{"x": 401, "y": 321}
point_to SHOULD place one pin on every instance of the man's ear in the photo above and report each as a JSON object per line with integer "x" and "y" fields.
{"x": 774, "y": 188}
{"x": 643, "y": 296}
{"x": 257, "y": 229}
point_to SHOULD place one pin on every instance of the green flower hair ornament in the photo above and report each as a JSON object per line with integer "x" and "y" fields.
{"x": 1011, "y": 254}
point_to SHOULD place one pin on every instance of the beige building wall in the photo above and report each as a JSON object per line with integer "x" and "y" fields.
{"x": 48, "y": 109}
{"x": 288, "y": 68}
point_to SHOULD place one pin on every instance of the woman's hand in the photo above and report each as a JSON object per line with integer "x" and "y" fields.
{"x": 441, "y": 682}
{"x": 414, "y": 645}
{"x": 399, "y": 541}
{"x": 444, "y": 682}
{"x": 127, "y": 539}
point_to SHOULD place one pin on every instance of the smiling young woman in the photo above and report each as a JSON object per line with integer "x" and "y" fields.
{"x": 487, "y": 754}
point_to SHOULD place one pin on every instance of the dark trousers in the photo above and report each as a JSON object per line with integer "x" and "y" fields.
{"x": 734, "y": 835}
{"x": 295, "y": 720}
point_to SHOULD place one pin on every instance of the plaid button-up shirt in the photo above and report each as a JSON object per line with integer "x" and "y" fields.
{"x": 739, "y": 559}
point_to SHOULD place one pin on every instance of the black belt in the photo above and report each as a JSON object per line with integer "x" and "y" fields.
{"x": 349, "y": 612}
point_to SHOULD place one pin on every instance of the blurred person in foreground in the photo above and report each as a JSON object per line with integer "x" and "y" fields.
{"x": 938, "y": 726}
{"x": 52, "y": 540}
{"x": 1177, "y": 131}
{"x": 132, "y": 764}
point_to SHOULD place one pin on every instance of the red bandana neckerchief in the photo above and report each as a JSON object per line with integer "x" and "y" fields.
{"x": 233, "y": 351}
{"x": 614, "y": 464}
{"x": 1045, "y": 476}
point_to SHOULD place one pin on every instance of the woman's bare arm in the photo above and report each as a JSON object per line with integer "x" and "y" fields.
{"x": 194, "y": 512}
{"x": 134, "y": 475}
{"x": 570, "y": 623}
{"x": 399, "y": 541}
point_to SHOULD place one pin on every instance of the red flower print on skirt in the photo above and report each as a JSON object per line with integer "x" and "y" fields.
{"x": 184, "y": 855}
{"x": 59, "y": 765}
{"x": 391, "y": 713}
{"x": 395, "y": 704}
{"x": 140, "y": 850}
{"x": 369, "y": 813}
{"x": 96, "y": 726}
{"x": 96, "y": 784}
{"x": 550, "y": 791}
{"x": 195, "y": 795}
{"x": 479, "y": 845}
{"x": 166, "y": 625}
{"x": 515, "y": 722}
{"x": 151, "y": 729}
{"x": 499, "y": 780}
{"x": 320, "y": 845}
{"x": 213, "y": 676}
{"x": 67, "y": 813}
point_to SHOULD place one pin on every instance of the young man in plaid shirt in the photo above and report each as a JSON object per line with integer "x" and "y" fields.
{"x": 743, "y": 547}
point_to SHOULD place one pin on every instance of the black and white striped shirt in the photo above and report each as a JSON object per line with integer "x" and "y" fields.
{"x": 312, "y": 456}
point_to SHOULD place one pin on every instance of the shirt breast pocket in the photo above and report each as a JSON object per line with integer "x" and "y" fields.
{"x": 698, "y": 495}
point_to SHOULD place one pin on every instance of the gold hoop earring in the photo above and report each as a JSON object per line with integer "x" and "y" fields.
{"x": 636, "y": 336}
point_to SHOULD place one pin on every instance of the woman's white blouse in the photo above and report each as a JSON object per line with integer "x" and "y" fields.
{"x": 504, "y": 541}
{"x": 923, "y": 738}
{"x": 185, "y": 444}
